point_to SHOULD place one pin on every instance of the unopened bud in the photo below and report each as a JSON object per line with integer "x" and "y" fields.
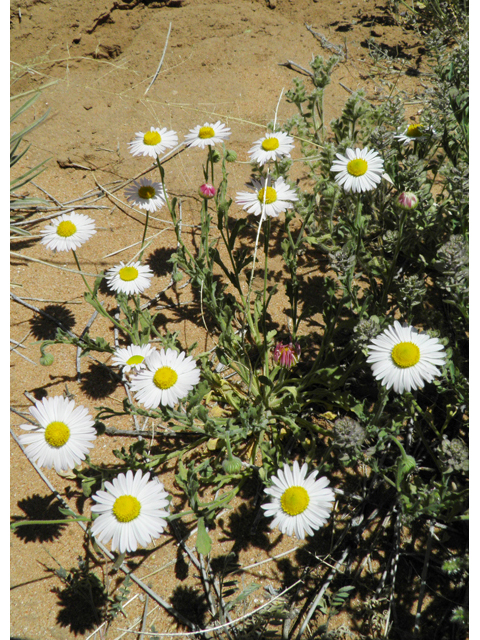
{"x": 408, "y": 463}
{"x": 46, "y": 359}
{"x": 206, "y": 191}
{"x": 287, "y": 354}
{"x": 232, "y": 465}
{"x": 215, "y": 156}
{"x": 407, "y": 201}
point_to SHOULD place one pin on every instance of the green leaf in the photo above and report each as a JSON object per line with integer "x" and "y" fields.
{"x": 87, "y": 486}
{"x": 182, "y": 472}
{"x": 266, "y": 381}
{"x": 340, "y": 596}
{"x": 242, "y": 596}
{"x": 204, "y": 543}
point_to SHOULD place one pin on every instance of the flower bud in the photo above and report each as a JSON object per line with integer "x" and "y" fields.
{"x": 407, "y": 464}
{"x": 46, "y": 359}
{"x": 216, "y": 157}
{"x": 407, "y": 201}
{"x": 231, "y": 155}
{"x": 286, "y": 354}
{"x": 232, "y": 465}
{"x": 206, "y": 191}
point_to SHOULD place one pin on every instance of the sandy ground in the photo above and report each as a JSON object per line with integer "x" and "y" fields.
{"x": 222, "y": 62}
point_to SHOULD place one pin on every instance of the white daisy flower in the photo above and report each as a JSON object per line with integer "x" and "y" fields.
{"x": 275, "y": 199}
{"x": 168, "y": 377}
{"x": 405, "y": 359}
{"x": 129, "y": 278}
{"x": 413, "y": 133}
{"x": 272, "y": 146}
{"x": 68, "y": 231}
{"x": 146, "y": 194}
{"x": 153, "y": 143}
{"x": 132, "y": 511}
{"x": 360, "y": 170}
{"x": 131, "y": 357}
{"x": 65, "y": 434}
{"x": 300, "y": 504}
{"x": 208, "y": 135}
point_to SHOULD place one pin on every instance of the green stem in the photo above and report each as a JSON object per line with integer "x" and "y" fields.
{"x": 96, "y": 304}
{"x": 176, "y": 516}
{"x": 256, "y": 445}
{"x": 210, "y": 158}
{"x": 380, "y": 405}
{"x": 358, "y": 228}
{"x": 80, "y": 270}
{"x": 399, "y": 445}
{"x": 295, "y": 245}
{"x": 393, "y": 264}
{"x": 145, "y": 227}
{"x": 265, "y": 279}
{"x": 419, "y": 430}
{"x": 314, "y": 428}
{"x": 229, "y": 447}
{"x": 23, "y": 523}
{"x": 248, "y": 315}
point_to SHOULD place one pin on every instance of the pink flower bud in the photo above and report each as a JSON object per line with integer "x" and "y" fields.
{"x": 287, "y": 354}
{"x": 206, "y": 191}
{"x": 407, "y": 200}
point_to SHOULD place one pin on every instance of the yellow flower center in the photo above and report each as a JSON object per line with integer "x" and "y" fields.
{"x": 206, "y": 132}
{"x": 405, "y": 354}
{"x": 57, "y": 434}
{"x": 146, "y": 192}
{"x": 152, "y": 138}
{"x": 66, "y": 229}
{"x": 295, "y": 500}
{"x": 270, "y": 197}
{"x": 270, "y": 144}
{"x": 414, "y": 131}
{"x": 165, "y": 377}
{"x": 135, "y": 360}
{"x": 357, "y": 167}
{"x": 128, "y": 273}
{"x": 126, "y": 508}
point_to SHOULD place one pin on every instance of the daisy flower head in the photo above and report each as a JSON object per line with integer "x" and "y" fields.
{"x": 129, "y": 278}
{"x": 146, "y": 194}
{"x": 272, "y": 146}
{"x": 132, "y": 357}
{"x": 132, "y": 511}
{"x": 300, "y": 503}
{"x": 413, "y": 133}
{"x": 68, "y": 231}
{"x": 64, "y": 435}
{"x": 167, "y": 378}
{"x": 153, "y": 143}
{"x": 404, "y": 359}
{"x": 275, "y": 199}
{"x": 360, "y": 170}
{"x": 208, "y": 135}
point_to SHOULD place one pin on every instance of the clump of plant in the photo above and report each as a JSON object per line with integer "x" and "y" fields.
{"x": 21, "y": 206}
{"x": 360, "y": 399}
